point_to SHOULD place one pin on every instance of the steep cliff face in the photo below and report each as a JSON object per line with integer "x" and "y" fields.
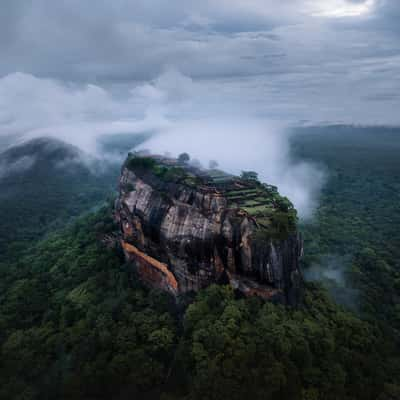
{"x": 184, "y": 229}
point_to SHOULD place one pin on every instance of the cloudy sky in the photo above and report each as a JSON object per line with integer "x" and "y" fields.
{"x": 297, "y": 60}
{"x": 224, "y": 69}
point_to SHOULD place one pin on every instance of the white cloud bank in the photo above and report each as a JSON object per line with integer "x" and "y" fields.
{"x": 185, "y": 115}
{"x": 245, "y": 144}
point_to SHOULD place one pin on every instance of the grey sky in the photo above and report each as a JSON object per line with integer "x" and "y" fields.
{"x": 294, "y": 60}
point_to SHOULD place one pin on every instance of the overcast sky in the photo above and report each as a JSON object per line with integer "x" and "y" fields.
{"x": 221, "y": 78}
{"x": 292, "y": 60}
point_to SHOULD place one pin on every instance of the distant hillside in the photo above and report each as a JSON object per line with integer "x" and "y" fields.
{"x": 43, "y": 183}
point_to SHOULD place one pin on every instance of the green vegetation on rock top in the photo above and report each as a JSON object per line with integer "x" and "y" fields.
{"x": 274, "y": 214}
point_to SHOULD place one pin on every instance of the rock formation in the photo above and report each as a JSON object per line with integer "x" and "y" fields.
{"x": 184, "y": 228}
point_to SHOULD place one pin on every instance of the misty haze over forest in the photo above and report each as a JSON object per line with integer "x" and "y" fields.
{"x": 242, "y": 156}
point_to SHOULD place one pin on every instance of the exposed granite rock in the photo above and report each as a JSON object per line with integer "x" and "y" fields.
{"x": 184, "y": 234}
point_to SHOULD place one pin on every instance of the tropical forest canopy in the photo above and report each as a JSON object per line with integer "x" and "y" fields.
{"x": 75, "y": 322}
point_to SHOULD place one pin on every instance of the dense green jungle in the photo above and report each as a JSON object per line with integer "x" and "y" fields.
{"x": 75, "y": 322}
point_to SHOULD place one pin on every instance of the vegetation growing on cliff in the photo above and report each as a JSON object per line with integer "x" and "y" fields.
{"x": 175, "y": 172}
{"x": 138, "y": 162}
{"x": 275, "y": 215}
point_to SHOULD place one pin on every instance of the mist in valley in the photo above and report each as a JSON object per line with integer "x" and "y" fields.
{"x": 172, "y": 113}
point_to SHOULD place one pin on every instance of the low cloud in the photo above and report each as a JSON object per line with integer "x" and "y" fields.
{"x": 243, "y": 143}
{"x": 332, "y": 271}
{"x": 184, "y": 114}
{"x": 31, "y": 107}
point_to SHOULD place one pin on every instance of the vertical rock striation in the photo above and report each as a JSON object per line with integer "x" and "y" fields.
{"x": 183, "y": 230}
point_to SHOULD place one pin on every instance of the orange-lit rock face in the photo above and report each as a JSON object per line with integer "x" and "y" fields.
{"x": 182, "y": 238}
{"x": 150, "y": 270}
